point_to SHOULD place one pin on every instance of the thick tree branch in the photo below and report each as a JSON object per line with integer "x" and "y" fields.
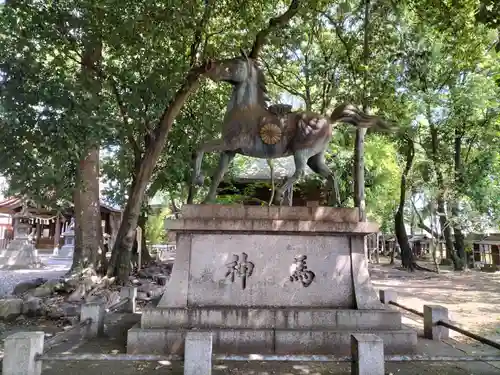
{"x": 198, "y": 34}
{"x": 281, "y": 85}
{"x": 421, "y": 223}
{"x": 274, "y": 23}
{"x": 338, "y": 32}
{"x": 489, "y": 116}
{"x": 123, "y": 112}
{"x": 174, "y": 106}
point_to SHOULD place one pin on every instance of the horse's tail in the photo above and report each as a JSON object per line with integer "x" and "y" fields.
{"x": 351, "y": 115}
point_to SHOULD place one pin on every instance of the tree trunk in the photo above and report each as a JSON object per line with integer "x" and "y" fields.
{"x": 145, "y": 255}
{"x": 88, "y": 230}
{"x": 87, "y": 206}
{"x": 393, "y": 253}
{"x": 444, "y": 223}
{"x": 441, "y": 203}
{"x": 455, "y": 208}
{"x": 459, "y": 238}
{"x": 434, "y": 241}
{"x": 407, "y": 259}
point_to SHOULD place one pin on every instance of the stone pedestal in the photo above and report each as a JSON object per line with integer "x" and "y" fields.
{"x": 21, "y": 230}
{"x": 269, "y": 280}
{"x": 66, "y": 251}
{"x": 20, "y": 252}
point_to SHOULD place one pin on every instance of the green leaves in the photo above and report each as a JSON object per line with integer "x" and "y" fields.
{"x": 430, "y": 64}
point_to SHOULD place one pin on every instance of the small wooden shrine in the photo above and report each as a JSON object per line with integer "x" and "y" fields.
{"x": 47, "y": 225}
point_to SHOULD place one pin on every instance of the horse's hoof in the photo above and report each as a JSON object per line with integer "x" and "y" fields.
{"x": 199, "y": 180}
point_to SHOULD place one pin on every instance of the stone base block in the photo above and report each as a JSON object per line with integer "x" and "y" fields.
{"x": 270, "y": 318}
{"x": 266, "y": 341}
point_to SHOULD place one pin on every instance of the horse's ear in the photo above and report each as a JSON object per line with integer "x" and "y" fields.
{"x": 243, "y": 53}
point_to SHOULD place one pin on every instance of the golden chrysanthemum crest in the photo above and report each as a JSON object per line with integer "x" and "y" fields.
{"x": 270, "y": 133}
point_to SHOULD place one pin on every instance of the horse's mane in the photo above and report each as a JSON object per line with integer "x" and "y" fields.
{"x": 263, "y": 98}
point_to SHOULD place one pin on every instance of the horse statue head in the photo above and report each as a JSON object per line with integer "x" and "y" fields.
{"x": 235, "y": 70}
{"x": 244, "y": 74}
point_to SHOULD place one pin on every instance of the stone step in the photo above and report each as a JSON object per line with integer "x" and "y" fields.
{"x": 267, "y": 341}
{"x": 270, "y": 318}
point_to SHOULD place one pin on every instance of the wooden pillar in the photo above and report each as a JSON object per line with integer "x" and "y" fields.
{"x": 377, "y": 242}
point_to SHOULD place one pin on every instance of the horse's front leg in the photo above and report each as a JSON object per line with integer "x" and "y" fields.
{"x": 210, "y": 146}
{"x": 225, "y": 160}
{"x": 300, "y": 158}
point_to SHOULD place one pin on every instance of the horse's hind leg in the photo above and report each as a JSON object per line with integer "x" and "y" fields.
{"x": 300, "y": 158}
{"x": 318, "y": 165}
{"x": 225, "y": 159}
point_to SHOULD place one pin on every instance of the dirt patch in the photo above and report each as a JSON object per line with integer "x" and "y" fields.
{"x": 472, "y": 297}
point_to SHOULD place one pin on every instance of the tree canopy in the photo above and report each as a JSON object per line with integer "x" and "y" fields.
{"x": 124, "y": 75}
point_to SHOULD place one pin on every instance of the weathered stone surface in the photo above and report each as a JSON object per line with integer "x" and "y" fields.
{"x": 25, "y": 286}
{"x": 64, "y": 310}
{"x": 42, "y": 291}
{"x": 238, "y": 212}
{"x": 10, "y": 308}
{"x": 266, "y": 341}
{"x": 208, "y": 255}
{"x": 368, "y": 354}
{"x": 32, "y": 306}
{"x": 269, "y": 317}
{"x": 19, "y": 254}
{"x": 263, "y": 225}
{"x": 198, "y": 353}
{"x": 21, "y": 349}
{"x": 269, "y": 280}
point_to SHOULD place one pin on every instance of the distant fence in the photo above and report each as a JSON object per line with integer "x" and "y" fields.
{"x": 164, "y": 252}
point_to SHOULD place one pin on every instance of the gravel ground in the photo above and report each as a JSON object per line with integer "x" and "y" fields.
{"x": 53, "y": 269}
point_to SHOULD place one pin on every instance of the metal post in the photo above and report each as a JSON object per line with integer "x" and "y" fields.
{"x": 95, "y": 312}
{"x": 432, "y": 315}
{"x": 367, "y": 354}
{"x": 129, "y": 292}
{"x": 20, "y": 352}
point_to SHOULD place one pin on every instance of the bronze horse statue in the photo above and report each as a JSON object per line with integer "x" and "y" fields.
{"x": 251, "y": 127}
